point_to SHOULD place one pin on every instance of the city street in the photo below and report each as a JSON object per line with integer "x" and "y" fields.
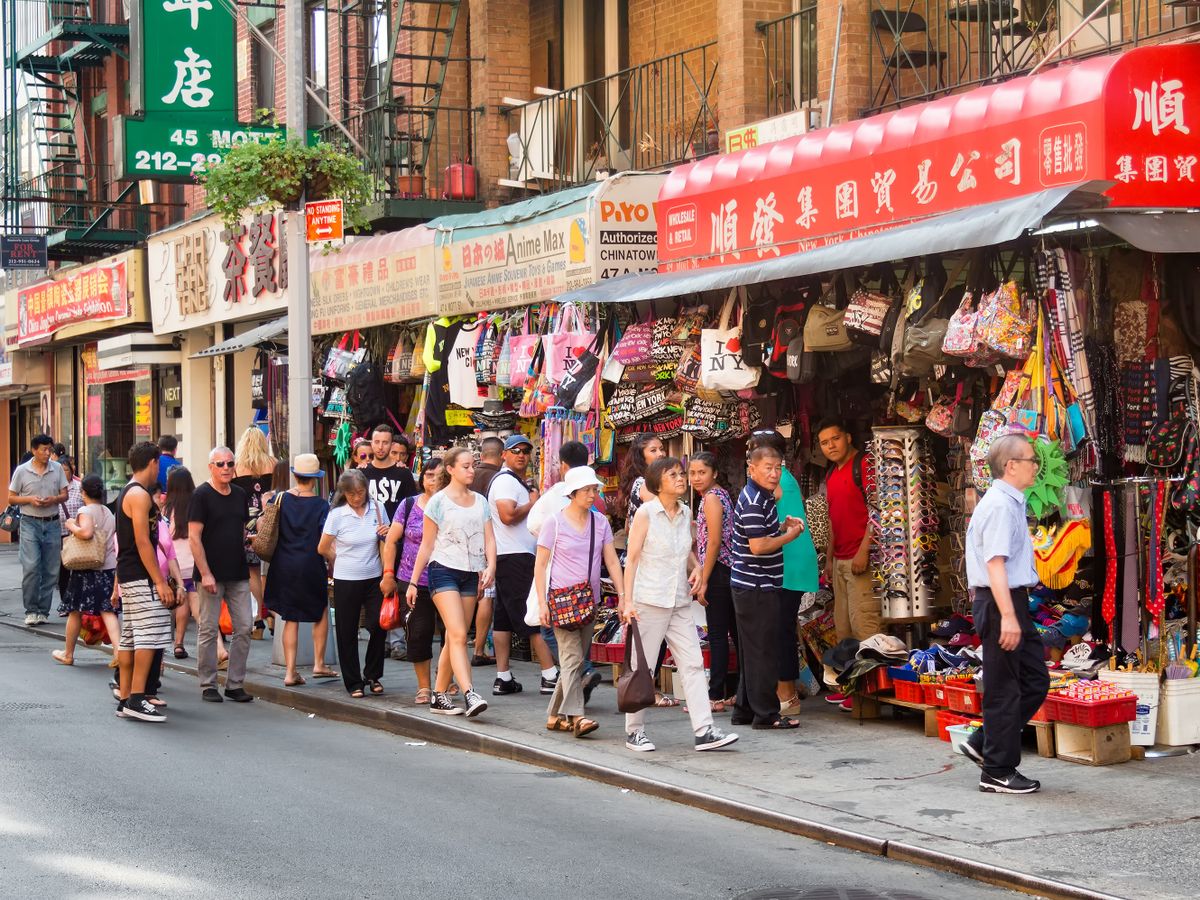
{"x": 258, "y": 800}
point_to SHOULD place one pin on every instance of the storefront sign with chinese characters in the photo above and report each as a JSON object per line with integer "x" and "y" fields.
{"x": 90, "y": 294}
{"x": 203, "y": 272}
{"x": 93, "y": 375}
{"x": 1126, "y": 120}
{"x": 373, "y": 281}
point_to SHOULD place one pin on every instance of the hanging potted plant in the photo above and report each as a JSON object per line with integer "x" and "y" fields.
{"x": 255, "y": 176}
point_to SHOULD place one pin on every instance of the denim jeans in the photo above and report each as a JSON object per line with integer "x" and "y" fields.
{"x": 41, "y": 556}
{"x": 552, "y": 643}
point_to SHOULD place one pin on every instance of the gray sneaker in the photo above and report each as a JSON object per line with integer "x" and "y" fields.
{"x": 31, "y": 618}
{"x": 638, "y": 742}
{"x": 714, "y": 738}
{"x": 475, "y": 703}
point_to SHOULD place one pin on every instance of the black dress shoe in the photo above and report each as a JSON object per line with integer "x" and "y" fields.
{"x": 212, "y": 695}
{"x": 237, "y": 695}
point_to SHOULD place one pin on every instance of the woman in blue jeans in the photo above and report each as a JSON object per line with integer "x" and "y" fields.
{"x": 459, "y": 547}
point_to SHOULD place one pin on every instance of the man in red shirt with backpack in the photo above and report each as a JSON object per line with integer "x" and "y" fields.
{"x": 856, "y": 609}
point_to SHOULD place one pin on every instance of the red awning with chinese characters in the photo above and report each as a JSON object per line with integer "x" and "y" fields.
{"x": 1130, "y": 121}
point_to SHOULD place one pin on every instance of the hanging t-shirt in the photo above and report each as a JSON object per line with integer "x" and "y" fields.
{"x": 464, "y": 390}
{"x": 438, "y": 396}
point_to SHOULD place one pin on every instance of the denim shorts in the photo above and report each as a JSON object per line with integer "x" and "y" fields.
{"x": 443, "y": 578}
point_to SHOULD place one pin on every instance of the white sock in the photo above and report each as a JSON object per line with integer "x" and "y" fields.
{"x": 550, "y": 674}
{"x": 504, "y": 676}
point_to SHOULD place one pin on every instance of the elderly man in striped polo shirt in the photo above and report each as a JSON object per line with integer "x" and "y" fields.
{"x": 757, "y": 581}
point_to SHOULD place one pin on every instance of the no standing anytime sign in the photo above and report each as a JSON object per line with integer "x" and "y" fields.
{"x": 323, "y": 221}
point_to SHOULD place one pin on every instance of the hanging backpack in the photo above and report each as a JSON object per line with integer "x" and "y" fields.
{"x": 364, "y": 393}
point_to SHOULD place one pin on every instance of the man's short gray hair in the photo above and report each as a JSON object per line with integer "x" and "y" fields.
{"x": 1004, "y": 448}
{"x": 217, "y": 452}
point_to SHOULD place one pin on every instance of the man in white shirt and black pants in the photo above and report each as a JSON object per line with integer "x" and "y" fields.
{"x": 516, "y": 549}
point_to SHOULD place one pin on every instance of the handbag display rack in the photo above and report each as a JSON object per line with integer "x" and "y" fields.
{"x": 903, "y": 506}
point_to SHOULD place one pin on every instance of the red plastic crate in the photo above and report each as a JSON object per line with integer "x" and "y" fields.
{"x": 1040, "y": 715}
{"x": 909, "y": 691}
{"x": 608, "y": 653}
{"x": 935, "y": 695}
{"x": 877, "y": 682}
{"x": 1091, "y": 715}
{"x": 964, "y": 698}
{"x": 945, "y": 719}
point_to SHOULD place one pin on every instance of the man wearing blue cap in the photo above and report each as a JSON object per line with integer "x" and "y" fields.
{"x": 516, "y": 548}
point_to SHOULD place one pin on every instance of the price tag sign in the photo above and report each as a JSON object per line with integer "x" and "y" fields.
{"x": 323, "y": 221}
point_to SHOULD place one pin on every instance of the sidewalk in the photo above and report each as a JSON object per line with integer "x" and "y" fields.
{"x": 878, "y": 786}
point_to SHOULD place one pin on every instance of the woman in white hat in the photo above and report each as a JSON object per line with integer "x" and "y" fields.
{"x": 296, "y": 578}
{"x": 571, "y": 546}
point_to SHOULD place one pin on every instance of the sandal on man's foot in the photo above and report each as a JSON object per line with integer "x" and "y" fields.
{"x": 424, "y": 695}
{"x": 328, "y": 673}
{"x": 376, "y": 687}
{"x": 561, "y": 723}
{"x": 584, "y": 726}
{"x": 357, "y": 693}
{"x": 180, "y": 652}
{"x": 295, "y": 682}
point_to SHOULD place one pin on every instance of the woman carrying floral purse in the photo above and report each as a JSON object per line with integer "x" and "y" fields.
{"x": 571, "y": 546}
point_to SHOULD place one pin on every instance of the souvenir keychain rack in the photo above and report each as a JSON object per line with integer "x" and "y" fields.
{"x": 903, "y": 501}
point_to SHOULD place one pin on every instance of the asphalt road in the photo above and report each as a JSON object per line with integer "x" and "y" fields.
{"x": 260, "y": 801}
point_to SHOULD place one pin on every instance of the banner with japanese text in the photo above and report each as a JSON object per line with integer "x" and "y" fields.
{"x": 91, "y": 294}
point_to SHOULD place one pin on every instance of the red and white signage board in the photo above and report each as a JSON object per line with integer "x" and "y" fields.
{"x": 1128, "y": 124}
{"x": 323, "y": 221}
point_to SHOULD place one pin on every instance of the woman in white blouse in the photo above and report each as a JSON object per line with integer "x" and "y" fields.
{"x": 459, "y": 547}
{"x": 663, "y": 574}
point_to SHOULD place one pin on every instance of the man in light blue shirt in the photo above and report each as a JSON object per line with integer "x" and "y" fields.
{"x": 1000, "y": 570}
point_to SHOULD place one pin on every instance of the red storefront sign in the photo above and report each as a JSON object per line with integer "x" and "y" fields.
{"x": 93, "y": 293}
{"x": 1131, "y": 120}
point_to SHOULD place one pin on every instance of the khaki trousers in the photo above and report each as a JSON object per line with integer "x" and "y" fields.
{"x": 856, "y": 609}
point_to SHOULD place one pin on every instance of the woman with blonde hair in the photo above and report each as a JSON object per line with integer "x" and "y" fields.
{"x": 253, "y": 470}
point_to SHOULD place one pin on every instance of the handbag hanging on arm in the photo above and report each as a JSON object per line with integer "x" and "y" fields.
{"x": 573, "y": 606}
{"x": 635, "y": 687}
{"x": 81, "y": 555}
{"x": 266, "y": 529}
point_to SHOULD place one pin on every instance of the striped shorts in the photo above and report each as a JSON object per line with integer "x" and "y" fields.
{"x": 145, "y": 623}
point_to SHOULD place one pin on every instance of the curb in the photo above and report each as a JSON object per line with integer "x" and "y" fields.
{"x": 448, "y": 735}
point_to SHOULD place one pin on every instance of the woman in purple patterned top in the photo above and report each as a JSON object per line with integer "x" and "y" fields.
{"x": 714, "y": 549}
{"x": 408, "y": 526}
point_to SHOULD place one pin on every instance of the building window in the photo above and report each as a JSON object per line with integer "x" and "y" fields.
{"x": 263, "y": 61}
{"x": 316, "y": 41}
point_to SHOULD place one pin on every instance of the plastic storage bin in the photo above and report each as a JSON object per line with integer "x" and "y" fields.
{"x": 1146, "y": 685}
{"x": 909, "y": 691}
{"x": 1179, "y": 712}
{"x": 1094, "y": 714}
{"x": 958, "y": 736}
{"x": 945, "y": 719}
{"x": 964, "y": 698}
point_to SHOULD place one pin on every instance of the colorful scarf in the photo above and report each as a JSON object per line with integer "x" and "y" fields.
{"x": 1137, "y": 388}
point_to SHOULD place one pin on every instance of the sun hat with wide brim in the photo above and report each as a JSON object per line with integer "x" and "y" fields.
{"x": 580, "y": 477}
{"x": 306, "y": 465}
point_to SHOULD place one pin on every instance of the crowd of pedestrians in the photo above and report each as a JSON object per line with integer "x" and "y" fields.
{"x": 464, "y": 544}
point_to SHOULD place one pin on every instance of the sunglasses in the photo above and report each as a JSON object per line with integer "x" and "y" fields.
{"x": 228, "y": 464}
{"x": 521, "y": 451}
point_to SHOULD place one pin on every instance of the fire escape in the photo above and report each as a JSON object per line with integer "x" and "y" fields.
{"x": 396, "y": 56}
{"x": 49, "y": 46}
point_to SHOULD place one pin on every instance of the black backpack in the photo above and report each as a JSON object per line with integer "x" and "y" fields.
{"x": 364, "y": 393}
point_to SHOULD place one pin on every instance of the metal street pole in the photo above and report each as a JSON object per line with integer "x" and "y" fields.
{"x": 300, "y": 423}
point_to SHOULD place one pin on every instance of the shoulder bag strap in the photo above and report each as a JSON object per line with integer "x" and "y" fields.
{"x": 591, "y": 543}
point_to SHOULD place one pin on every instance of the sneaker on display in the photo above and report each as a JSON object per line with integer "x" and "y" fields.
{"x": 835, "y": 699}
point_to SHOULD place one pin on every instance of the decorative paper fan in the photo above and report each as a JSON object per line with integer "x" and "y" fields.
{"x": 1046, "y": 493}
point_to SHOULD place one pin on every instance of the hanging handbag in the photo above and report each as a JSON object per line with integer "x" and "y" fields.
{"x": 663, "y": 347}
{"x": 865, "y": 316}
{"x": 1005, "y": 325}
{"x": 723, "y": 367}
{"x": 704, "y": 418}
{"x": 635, "y": 687}
{"x": 573, "y": 606}
{"x": 565, "y": 342}
{"x": 341, "y": 360}
{"x": 633, "y": 402}
{"x": 575, "y": 387}
{"x": 521, "y": 349}
{"x": 635, "y": 344}
{"x": 266, "y": 529}
{"x": 485, "y": 354}
{"x": 825, "y": 330}
{"x": 81, "y": 555}
{"x": 258, "y": 381}
{"x": 417, "y": 370}
{"x": 940, "y": 419}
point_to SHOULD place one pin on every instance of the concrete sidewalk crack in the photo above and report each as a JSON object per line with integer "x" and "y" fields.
{"x": 1156, "y": 823}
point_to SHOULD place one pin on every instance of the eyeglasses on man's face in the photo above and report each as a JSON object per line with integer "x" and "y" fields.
{"x": 222, "y": 464}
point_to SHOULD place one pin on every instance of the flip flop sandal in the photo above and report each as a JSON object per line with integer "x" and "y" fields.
{"x": 299, "y": 681}
{"x": 584, "y": 727}
{"x": 783, "y": 723}
{"x": 357, "y": 694}
{"x": 424, "y": 695}
{"x": 662, "y": 701}
{"x": 321, "y": 676}
{"x": 180, "y": 652}
{"x": 376, "y": 688}
{"x": 560, "y": 724}
{"x": 62, "y": 659}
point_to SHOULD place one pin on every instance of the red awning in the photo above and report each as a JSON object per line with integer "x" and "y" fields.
{"x": 1128, "y": 122}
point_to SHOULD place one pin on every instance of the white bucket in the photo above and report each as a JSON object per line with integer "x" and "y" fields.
{"x": 1143, "y": 729}
{"x": 1179, "y": 713}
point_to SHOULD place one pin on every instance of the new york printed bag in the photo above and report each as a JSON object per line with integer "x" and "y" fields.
{"x": 723, "y": 367}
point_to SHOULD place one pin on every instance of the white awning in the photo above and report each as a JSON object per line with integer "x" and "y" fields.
{"x": 981, "y": 226}
{"x": 136, "y": 350}
{"x": 263, "y": 334}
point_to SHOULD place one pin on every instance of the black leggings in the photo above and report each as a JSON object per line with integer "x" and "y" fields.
{"x": 349, "y": 598}
{"x": 420, "y": 626}
{"x": 722, "y": 633}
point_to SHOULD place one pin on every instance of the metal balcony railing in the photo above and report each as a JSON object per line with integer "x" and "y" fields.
{"x": 790, "y": 47}
{"x": 81, "y": 197}
{"x": 392, "y": 136}
{"x": 645, "y": 117}
{"x": 923, "y": 48}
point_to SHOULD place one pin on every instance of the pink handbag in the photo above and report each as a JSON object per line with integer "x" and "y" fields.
{"x": 521, "y": 348}
{"x": 565, "y": 342}
{"x": 960, "y": 333}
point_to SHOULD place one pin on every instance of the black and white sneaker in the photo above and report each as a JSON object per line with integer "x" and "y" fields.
{"x": 638, "y": 742}
{"x": 1013, "y": 783}
{"x": 590, "y": 682}
{"x": 141, "y": 710}
{"x": 548, "y": 685}
{"x": 120, "y": 708}
{"x": 475, "y": 703}
{"x": 502, "y": 686}
{"x": 972, "y": 748}
{"x": 441, "y": 705}
{"x": 714, "y": 738}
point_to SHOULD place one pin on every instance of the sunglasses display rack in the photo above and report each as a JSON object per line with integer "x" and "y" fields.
{"x": 958, "y": 464}
{"x": 904, "y": 513}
